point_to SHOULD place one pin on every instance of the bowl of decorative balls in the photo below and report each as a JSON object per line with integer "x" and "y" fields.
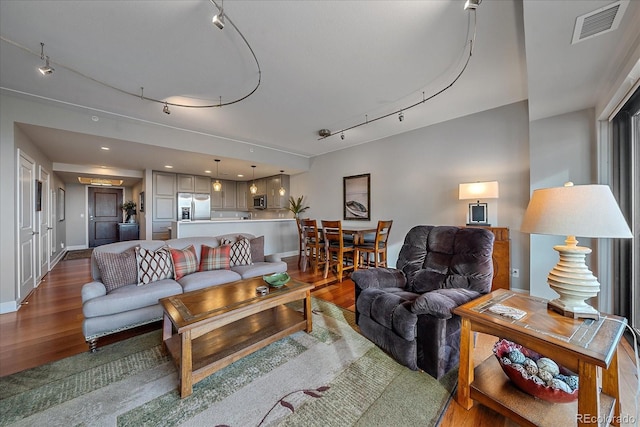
{"x": 535, "y": 374}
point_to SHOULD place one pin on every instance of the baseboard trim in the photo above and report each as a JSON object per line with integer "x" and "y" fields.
{"x": 8, "y": 307}
{"x": 77, "y": 247}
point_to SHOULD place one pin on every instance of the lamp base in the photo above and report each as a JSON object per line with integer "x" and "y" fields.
{"x": 584, "y": 312}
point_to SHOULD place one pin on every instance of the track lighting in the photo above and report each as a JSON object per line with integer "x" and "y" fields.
{"x": 342, "y": 135}
{"x": 218, "y": 19}
{"x": 46, "y": 69}
{"x": 401, "y": 116}
{"x": 324, "y": 133}
{"x": 472, "y": 4}
{"x": 165, "y": 109}
{"x": 217, "y": 186}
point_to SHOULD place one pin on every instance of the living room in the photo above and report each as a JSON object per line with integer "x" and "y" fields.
{"x": 414, "y": 174}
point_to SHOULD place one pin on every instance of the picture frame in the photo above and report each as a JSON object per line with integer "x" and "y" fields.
{"x": 61, "y": 204}
{"x": 477, "y": 214}
{"x": 38, "y": 195}
{"x": 356, "y": 202}
{"x": 141, "y": 202}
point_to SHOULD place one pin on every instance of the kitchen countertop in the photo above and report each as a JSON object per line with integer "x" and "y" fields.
{"x": 207, "y": 221}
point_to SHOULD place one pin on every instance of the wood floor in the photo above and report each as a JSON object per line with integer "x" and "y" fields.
{"x": 49, "y": 327}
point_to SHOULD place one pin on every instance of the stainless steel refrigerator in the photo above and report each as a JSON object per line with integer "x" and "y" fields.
{"x": 194, "y": 206}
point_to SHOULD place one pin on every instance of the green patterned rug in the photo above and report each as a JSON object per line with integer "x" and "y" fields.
{"x": 331, "y": 377}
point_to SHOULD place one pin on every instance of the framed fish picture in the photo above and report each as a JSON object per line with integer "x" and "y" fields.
{"x": 357, "y": 197}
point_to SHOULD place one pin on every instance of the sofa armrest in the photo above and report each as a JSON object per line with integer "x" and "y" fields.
{"x": 93, "y": 290}
{"x": 273, "y": 258}
{"x": 440, "y": 302}
{"x": 378, "y": 278}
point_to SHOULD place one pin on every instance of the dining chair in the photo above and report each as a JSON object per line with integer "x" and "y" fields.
{"x": 302, "y": 253}
{"x": 377, "y": 247}
{"x": 338, "y": 254}
{"x": 313, "y": 245}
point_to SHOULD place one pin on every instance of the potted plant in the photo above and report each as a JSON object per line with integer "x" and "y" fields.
{"x": 297, "y": 206}
{"x": 130, "y": 208}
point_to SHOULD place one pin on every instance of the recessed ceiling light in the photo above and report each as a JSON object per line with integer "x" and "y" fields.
{"x": 168, "y": 166}
{"x": 105, "y": 148}
{"x": 207, "y": 171}
{"x": 240, "y": 175}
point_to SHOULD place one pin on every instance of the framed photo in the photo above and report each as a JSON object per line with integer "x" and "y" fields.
{"x": 141, "y": 202}
{"x": 357, "y": 197}
{"x": 38, "y": 195}
{"x": 477, "y": 214}
{"x": 61, "y": 202}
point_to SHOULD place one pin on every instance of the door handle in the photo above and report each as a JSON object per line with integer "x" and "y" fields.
{"x": 90, "y": 217}
{"x": 34, "y": 233}
{"x": 49, "y": 228}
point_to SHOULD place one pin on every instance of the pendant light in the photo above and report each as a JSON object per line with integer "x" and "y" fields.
{"x": 217, "y": 186}
{"x": 253, "y": 189}
{"x": 282, "y": 191}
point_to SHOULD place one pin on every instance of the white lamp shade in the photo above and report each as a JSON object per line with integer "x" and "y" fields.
{"x": 580, "y": 210}
{"x": 478, "y": 190}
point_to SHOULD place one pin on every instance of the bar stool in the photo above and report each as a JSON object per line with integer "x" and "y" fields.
{"x": 336, "y": 252}
{"x": 377, "y": 247}
{"x": 313, "y": 245}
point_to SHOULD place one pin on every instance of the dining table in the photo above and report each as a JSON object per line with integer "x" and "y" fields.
{"x": 358, "y": 233}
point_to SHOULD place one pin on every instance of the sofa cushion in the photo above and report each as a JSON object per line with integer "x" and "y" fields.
{"x": 185, "y": 261}
{"x": 240, "y": 252}
{"x": 214, "y": 258}
{"x": 260, "y": 269}
{"x": 130, "y": 297}
{"x": 153, "y": 265}
{"x": 257, "y": 249}
{"x": 205, "y": 279}
{"x": 117, "y": 269}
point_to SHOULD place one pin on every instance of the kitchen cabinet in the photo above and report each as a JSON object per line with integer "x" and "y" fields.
{"x": 274, "y": 199}
{"x": 242, "y": 195}
{"x": 193, "y": 184}
{"x": 164, "y": 196}
{"x": 226, "y": 197}
{"x": 128, "y": 231}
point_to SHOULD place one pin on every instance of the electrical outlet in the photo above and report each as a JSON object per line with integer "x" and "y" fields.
{"x": 515, "y": 272}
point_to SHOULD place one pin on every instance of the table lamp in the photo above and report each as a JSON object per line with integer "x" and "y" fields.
{"x": 580, "y": 210}
{"x": 478, "y": 212}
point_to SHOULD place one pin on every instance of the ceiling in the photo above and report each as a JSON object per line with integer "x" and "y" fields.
{"x": 323, "y": 64}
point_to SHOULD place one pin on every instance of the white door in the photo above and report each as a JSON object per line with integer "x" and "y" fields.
{"x": 53, "y": 222}
{"x": 26, "y": 224}
{"x": 44, "y": 246}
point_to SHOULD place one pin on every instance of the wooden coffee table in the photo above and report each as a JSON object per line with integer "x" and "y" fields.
{"x": 583, "y": 346}
{"x": 208, "y": 329}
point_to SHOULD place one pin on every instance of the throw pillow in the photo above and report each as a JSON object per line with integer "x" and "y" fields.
{"x": 241, "y": 252}
{"x": 153, "y": 265}
{"x": 185, "y": 261}
{"x": 226, "y": 242}
{"x": 117, "y": 269}
{"x": 257, "y": 249}
{"x": 214, "y": 258}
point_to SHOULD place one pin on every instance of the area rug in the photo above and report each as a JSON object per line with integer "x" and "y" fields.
{"x": 331, "y": 377}
{"x": 78, "y": 254}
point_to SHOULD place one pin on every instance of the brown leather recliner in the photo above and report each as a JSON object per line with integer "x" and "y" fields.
{"x": 406, "y": 310}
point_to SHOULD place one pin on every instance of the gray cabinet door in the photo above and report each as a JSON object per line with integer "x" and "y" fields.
{"x": 164, "y": 196}
{"x": 164, "y": 184}
{"x": 274, "y": 199}
{"x": 229, "y": 194}
{"x": 202, "y": 184}
{"x": 186, "y": 183}
{"x": 242, "y": 194}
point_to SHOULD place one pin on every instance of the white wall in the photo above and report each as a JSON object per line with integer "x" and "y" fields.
{"x": 415, "y": 177}
{"x": 562, "y": 148}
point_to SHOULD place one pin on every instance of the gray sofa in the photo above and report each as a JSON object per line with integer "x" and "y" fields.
{"x": 106, "y": 312}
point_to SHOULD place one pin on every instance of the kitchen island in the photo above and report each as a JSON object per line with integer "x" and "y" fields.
{"x": 280, "y": 234}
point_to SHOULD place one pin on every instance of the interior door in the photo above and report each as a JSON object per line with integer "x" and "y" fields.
{"x": 26, "y": 225}
{"x": 44, "y": 227}
{"x": 104, "y": 215}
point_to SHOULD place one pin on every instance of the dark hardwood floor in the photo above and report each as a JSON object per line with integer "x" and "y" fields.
{"x": 49, "y": 327}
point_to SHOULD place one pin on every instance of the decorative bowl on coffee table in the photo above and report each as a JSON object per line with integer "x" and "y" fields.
{"x": 277, "y": 280}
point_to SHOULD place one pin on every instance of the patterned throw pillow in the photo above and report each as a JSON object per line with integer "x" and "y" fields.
{"x": 214, "y": 258}
{"x": 116, "y": 269}
{"x": 241, "y": 252}
{"x": 185, "y": 261}
{"x": 153, "y": 265}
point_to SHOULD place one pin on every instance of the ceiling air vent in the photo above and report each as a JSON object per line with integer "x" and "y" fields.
{"x": 599, "y": 21}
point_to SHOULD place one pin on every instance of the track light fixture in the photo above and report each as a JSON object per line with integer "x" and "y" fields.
{"x": 46, "y": 69}
{"x": 165, "y": 109}
{"x": 218, "y": 19}
{"x": 217, "y": 186}
{"x": 253, "y": 189}
{"x": 470, "y": 5}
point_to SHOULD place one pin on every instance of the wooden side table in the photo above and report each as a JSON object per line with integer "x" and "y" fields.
{"x": 580, "y": 345}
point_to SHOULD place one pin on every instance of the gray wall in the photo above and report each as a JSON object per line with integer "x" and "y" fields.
{"x": 415, "y": 177}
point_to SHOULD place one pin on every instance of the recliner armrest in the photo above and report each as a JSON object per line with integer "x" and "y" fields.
{"x": 440, "y": 302}
{"x": 379, "y": 278}
{"x": 93, "y": 290}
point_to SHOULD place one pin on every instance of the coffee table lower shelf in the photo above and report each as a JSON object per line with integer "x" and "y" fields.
{"x": 227, "y": 344}
{"x": 493, "y": 389}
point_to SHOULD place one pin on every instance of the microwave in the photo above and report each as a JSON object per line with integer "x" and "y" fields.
{"x": 260, "y": 201}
